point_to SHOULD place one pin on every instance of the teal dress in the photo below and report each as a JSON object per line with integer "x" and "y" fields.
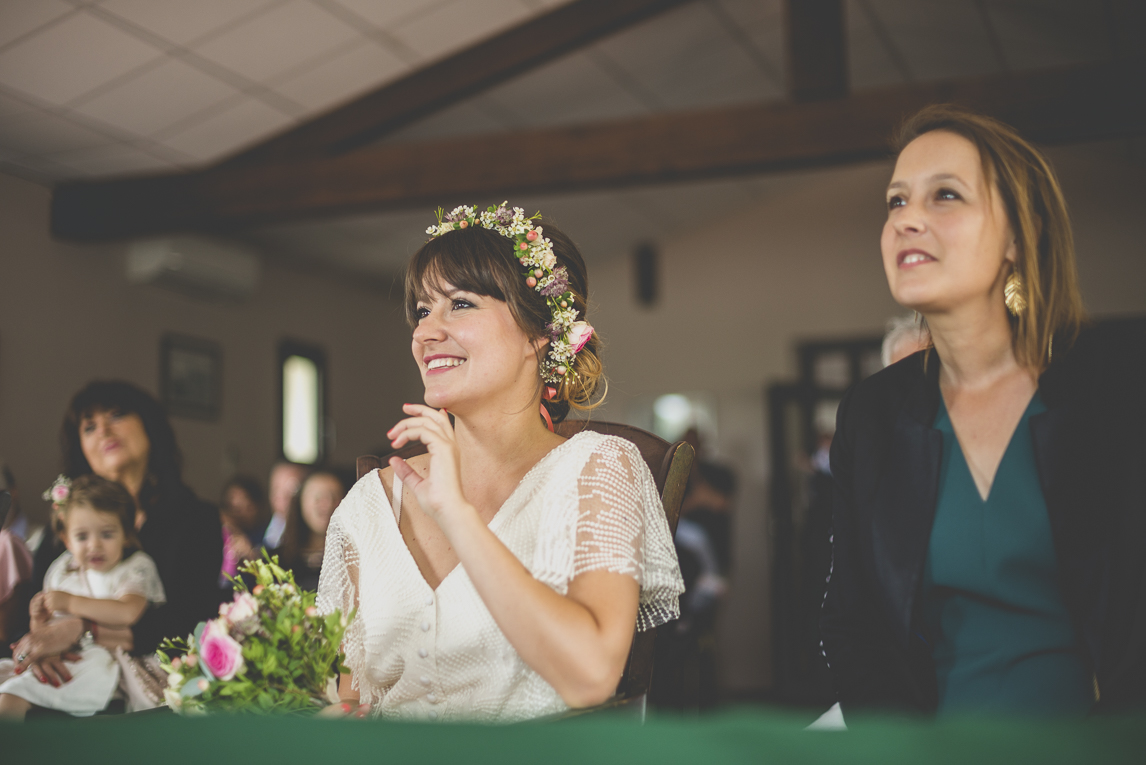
{"x": 1001, "y": 638}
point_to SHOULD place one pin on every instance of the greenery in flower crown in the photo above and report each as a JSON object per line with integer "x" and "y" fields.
{"x": 270, "y": 650}
{"x": 567, "y": 336}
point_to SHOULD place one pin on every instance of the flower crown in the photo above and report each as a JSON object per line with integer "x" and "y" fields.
{"x": 58, "y": 492}
{"x": 567, "y": 335}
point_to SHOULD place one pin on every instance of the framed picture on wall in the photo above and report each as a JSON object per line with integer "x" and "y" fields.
{"x": 191, "y": 376}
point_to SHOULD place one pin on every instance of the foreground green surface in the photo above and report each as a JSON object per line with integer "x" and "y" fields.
{"x": 744, "y": 735}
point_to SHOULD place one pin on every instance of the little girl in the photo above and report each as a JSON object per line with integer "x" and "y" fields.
{"x": 92, "y": 580}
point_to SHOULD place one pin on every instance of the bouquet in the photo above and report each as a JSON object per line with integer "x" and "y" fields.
{"x": 268, "y": 651}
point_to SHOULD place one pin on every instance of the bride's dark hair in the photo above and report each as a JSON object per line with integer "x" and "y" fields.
{"x": 481, "y": 261}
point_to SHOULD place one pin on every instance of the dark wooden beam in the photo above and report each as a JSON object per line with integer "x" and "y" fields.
{"x": 1076, "y": 104}
{"x": 453, "y": 79}
{"x": 817, "y": 49}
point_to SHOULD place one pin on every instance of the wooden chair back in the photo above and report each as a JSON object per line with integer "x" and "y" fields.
{"x": 670, "y": 465}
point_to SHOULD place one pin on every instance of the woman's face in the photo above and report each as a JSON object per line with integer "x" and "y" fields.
{"x": 319, "y": 497}
{"x": 947, "y": 242}
{"x": 114, "y": 443}
{"x": 240, "y": 507}
{"x": 469, "y": 349}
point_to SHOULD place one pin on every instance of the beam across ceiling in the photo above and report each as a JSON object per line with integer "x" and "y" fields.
{"x": 441, "y": 84}
{"x": 1053, "y": 106}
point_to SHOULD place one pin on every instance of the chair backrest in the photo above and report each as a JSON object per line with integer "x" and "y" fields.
{"x": 670, "y": 465}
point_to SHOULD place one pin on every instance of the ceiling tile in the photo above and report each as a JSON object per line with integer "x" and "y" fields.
{"x": 459, "y": 24}
{"x": 348, "y": 74}
{"x": 279, "y": 40}
{"x": 1049, "y": 33}
{"x": 10, "y": 107}
{"x": 40, "y": 132}
{"x": 687, "y": 59}
{"x": 110, "y": 160}
{"x": 870, "y": 63}
{"x": 145, "y": 105}
{"x": 939, "y": 39}
{"x": 181, "y": 21}
{"x": 228, "y": 131}
{"x": 387, "y": 14}
{"x": 763, "y": 22}
{"x": 70, "y": 58}
{"x": 19, "y": 17}
{"x": 570, "y": 90}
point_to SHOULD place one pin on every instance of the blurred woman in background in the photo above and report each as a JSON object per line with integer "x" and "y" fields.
{"x": 244, "y": 514}
{"x": 990, "y": 502}
{"x": 305, "y": 536}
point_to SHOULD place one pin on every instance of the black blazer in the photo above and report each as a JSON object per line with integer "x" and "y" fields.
{"x": 1089, "y": 448}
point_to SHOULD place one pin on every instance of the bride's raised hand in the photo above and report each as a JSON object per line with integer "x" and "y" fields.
{"x": 440, "y": 491}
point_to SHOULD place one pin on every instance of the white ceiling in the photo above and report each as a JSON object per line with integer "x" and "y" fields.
{"x": 121, "y": 86}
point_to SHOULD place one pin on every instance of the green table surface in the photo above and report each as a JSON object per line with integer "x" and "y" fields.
{"x": 753, "y": 735}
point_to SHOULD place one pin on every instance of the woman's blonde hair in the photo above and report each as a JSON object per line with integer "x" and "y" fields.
{"x": 482, "y": 261}
{"x": 1037, "y": 213}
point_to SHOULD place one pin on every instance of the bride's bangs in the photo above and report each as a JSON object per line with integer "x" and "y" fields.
{"x": 476, "y": 261}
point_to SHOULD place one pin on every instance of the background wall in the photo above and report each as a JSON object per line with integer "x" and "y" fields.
{"x": 68, "y": 315}
{"x": 803, "y": 263}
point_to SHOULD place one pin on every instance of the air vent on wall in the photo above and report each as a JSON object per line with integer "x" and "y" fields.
{"x": 203, "y": 268}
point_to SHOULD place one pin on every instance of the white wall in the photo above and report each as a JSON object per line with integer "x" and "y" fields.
{"x": 67, "y": 315}
{"x": 803, "y": 263}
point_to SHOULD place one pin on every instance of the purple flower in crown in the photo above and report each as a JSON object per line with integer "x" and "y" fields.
{"x": 456, "y": 216}
{"x": 553, "y": 330}
{"x": 560, "y": 284}
{"x": 503, "y": 215}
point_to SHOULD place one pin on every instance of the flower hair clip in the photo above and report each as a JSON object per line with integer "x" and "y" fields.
{"x": 58, "y": 492}
{"x": 567, "y": 335}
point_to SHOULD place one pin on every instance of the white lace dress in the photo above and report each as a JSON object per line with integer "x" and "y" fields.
{"x": 95, "y": 676}
{"x": 422, "y": 653}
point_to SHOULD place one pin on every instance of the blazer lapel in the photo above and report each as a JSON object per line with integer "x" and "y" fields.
{"x": 905, "y": 506}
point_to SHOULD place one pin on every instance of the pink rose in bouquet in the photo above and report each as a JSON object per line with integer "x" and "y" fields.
{"x": 220, "y": 652}
{"x": 242, "y": 612}
{"x": 579, "y": 334}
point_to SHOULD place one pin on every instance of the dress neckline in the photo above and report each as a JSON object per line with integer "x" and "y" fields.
{"x": 943, "y": 423}
{"x": 494, "y": 521}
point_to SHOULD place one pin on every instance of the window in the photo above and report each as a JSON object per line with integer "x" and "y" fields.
{"x": 302, "y": 390}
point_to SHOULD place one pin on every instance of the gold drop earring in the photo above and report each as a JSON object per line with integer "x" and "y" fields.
{"x": 1013, "y": 294}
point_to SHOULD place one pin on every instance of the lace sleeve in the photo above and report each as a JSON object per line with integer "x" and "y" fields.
{"x": 613, "y": 520}
{"x": 139, "y": 576}
{"x": 338, "y": 580}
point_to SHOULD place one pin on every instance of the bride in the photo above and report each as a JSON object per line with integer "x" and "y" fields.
{"x": 499, "y": 576}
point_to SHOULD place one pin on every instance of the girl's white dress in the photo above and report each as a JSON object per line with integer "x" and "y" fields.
{"x": 96, "y": 675}
{"x": 415, "y": 652}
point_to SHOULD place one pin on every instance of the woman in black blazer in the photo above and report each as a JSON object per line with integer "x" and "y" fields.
{"x": 989, "y": 529}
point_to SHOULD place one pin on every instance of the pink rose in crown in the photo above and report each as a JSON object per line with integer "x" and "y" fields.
{"x": 222, "y": 655}
{"x": 578, "y": 334}
{"x": 60, "y": 493}
{"x": 242, "y": 613}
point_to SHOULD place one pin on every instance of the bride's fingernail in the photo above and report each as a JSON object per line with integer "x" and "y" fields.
{"x": 345, "y": 707}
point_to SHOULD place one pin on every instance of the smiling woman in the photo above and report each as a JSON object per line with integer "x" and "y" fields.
{"x": 500, "y": 575}
{"x": 988, "y": 520}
